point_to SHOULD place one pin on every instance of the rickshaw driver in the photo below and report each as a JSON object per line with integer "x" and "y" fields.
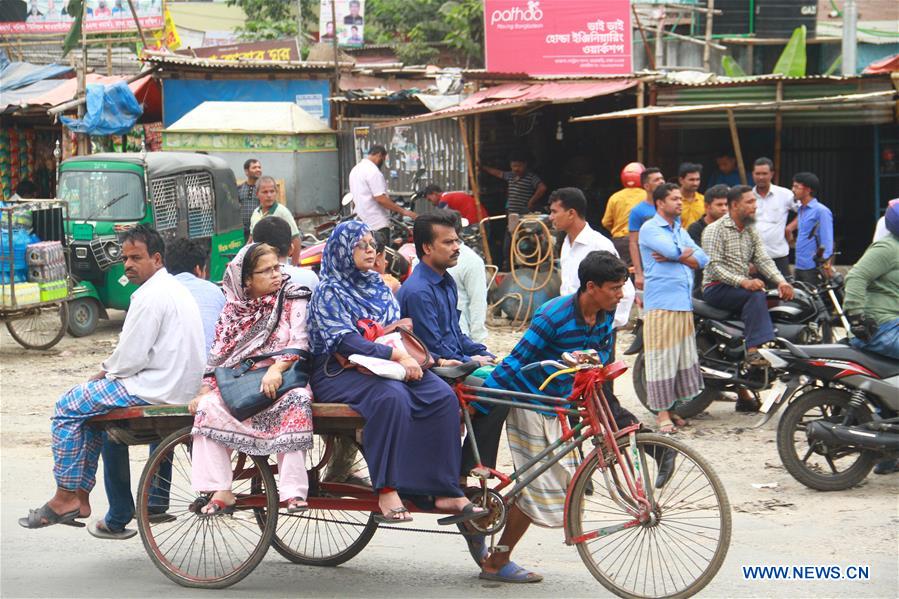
{"x": 583, "y": 320}
{"x": 160, "y": 359}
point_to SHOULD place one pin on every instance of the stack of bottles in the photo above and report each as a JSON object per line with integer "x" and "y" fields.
{"x": 46, "y": 262}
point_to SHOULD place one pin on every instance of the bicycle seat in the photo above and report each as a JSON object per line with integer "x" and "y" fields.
{"x": 452, "y": 373}
{"x": 707, "y": 310}
{"x": 881, "y": 365}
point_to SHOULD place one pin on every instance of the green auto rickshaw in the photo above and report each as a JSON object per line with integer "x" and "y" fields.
{"x": 180, "y": 194}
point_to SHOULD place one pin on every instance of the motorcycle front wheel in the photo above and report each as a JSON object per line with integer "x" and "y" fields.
{"x": 816, "y": 465}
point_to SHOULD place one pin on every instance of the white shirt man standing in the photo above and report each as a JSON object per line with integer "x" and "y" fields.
{"x": 567, "y": 207}
{"x": 774, "y": 206}
{"x": 369, "y": 190}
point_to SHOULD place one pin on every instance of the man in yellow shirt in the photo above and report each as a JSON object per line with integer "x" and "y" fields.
{"x": 689, "y": 176}
{"x": 618, "y": 208}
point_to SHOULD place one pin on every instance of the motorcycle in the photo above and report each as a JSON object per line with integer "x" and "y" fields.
{"x": 722, "y": 351}
{"x": 804, "y": 320}
{"x": 842, "y": 412}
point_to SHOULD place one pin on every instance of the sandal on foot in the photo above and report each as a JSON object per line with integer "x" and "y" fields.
{"x": 477, "y": 544}
{"x": 666, "y": 427}
{"x": 219, "y": 508}
{"x": 469, "y": 512}
{"x": 511, "y": 572}
{"x": 102, "y": 531}
{"x": 295, "y": 505}
{"x": 44, "y": 516}
{"x": 390, "y": 516}
{"x": 679, "y": 422}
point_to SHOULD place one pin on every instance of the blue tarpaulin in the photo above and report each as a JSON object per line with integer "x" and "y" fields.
{"x": 16, "y": 75}
{"x": 111, "y": 110}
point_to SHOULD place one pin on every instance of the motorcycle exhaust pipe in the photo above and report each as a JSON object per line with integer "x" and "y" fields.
{"x": 838, "y": 435}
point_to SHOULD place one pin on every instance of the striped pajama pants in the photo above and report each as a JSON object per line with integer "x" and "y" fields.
{"x": 76, "y": 446}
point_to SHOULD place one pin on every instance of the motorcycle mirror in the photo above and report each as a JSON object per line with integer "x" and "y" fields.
{"x": 347, "y": 199}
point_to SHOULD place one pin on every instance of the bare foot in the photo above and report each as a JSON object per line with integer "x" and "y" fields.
{"x": 454, "y": 504}
{"x": 64, "y": 501}
{"x": 391, "y": 501}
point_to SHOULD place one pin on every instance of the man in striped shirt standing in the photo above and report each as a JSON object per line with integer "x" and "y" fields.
{"x": 583, "y": 320}
{"x": 525, "y": 194}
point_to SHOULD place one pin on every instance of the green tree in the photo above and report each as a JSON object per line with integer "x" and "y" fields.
{"x": 273, "y": 19}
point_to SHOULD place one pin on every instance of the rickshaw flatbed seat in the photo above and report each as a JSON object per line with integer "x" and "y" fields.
{"x": 140, "y": 425}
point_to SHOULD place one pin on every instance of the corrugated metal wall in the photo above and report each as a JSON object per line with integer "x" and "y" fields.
{"x": 435, "y": 146}
{"x": 822, "y": 115}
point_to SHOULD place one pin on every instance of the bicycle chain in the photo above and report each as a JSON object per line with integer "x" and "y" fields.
{"x": 392, "y": 527}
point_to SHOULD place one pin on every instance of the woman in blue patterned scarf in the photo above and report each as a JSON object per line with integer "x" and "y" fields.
{"x": 411, "y": 441}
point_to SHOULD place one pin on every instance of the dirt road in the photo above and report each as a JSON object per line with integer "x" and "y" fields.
{"x": 787, "y": 525}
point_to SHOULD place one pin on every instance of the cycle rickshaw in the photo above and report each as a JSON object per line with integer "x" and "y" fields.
{"x": 637, "y": 537}
{"x": 36, "y": 320}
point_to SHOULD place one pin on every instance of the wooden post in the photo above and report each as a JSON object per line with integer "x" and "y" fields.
{"x": 109, "y": 59}
{"x": 778, "y": 133}
{"x": 707, "y": 50}
{"x": 84, "y": 143}
{"x": 640, "y": 102}
{"x": 471, "y": 165}
{"x": 735, "y": 139}
{"x": 140, "y": 30}
{"x": 660, "y": 41}
{"x": 649, "y": 58}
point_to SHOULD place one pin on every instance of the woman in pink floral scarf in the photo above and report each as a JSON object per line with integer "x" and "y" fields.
{"x": 251, "y": 324}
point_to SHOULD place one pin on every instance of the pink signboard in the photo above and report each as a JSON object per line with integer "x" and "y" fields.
{"x": 558, "y": 37}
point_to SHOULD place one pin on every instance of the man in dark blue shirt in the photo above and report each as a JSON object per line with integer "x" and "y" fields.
{"x": 429, "y": 296}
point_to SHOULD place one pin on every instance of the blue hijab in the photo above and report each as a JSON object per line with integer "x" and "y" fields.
{"x": 345, "y": 293}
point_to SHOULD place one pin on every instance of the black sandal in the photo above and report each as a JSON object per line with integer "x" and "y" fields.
{"x": 468, "y": 513}
{"x": 389, "y": 518}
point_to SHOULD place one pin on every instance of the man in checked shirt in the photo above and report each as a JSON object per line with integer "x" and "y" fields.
{"x": 732, "y": 244}
{"x": 246, "y": 193}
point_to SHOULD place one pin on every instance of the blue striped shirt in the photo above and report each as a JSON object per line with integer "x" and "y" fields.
{"x": 557, "y": 327}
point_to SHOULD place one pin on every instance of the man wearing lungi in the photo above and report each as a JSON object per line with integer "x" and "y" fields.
{"x": 580, "y": 321}
{"x": 669, "y": 259}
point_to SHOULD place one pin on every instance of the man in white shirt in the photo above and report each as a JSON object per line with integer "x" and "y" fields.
{"x": 774, "y": 206}
{"x": 369, "y": 190}
{"x": 276, "y": 233}
{"x": 267, "y": 193}
{"x": 470, "y": 276}
{"x": 567, "y": 209}
{"x": 160, "y": 359}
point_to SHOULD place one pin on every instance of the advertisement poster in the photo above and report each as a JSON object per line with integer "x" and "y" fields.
{"x": 350, "y": 22}
{"x": 558, "y": 37}
{"x": 264, "y": 50}
{"x": 36, "y": 17}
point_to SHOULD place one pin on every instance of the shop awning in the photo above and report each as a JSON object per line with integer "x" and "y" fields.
{"x": 51, "y": 93}
{"x": 868, "y": 100}
{"x": 511, "y": 96}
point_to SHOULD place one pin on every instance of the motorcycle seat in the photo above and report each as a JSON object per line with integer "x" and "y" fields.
{"x": 880, "y": 365}
{"x": 707, "y": 310}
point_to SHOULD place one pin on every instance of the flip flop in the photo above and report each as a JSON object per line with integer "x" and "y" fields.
{"x": 666, "y": 424}
{"x": 511, "y": 572}
{"x": 468, "y": 513}
{"x": 219, "y": 508}
{"x": 43, "y": 517}
{"x": 101, "y": 531}
{"x": 388, "y": 518}
{"x": 295, "y": 505}
{"x": 477, "y": 544}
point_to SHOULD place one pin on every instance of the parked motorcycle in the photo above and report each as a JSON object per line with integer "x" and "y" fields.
{"x": 842, "y": 414}
{"x": 722, "y": 350}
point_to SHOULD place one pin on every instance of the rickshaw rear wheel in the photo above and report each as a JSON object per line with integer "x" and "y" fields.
{"x": 323, "y": 537}
{"x": 41, "y": 329}
{"x": 201, "y": 551}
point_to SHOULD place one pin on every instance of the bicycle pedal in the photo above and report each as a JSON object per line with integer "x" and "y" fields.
{"x": 481, "y": 473}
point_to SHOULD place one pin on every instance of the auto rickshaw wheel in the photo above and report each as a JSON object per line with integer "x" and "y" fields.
{"x": 41, "y": 328}
{"x": 84, "y": 314}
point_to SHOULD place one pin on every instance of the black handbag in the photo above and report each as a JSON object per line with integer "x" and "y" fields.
{"x": 239, "y": 386}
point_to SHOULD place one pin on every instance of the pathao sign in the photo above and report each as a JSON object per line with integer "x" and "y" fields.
{"x": 558, "y": 37}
